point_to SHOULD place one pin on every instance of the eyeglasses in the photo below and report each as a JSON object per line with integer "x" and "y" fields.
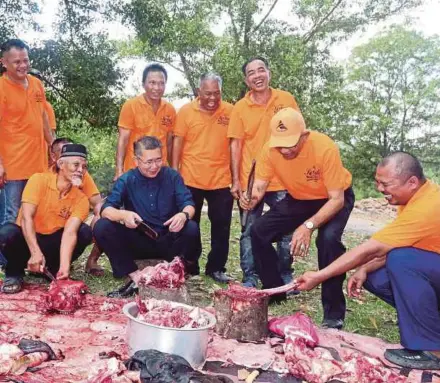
{"x": 148, "y": 163}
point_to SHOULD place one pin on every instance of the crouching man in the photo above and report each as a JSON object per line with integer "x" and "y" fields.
{"x": 49, "y": 231}
{"x": 401, "y": 263}
{"x": 156, "y": 195}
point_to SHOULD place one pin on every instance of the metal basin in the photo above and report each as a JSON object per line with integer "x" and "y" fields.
{"x": 190, "y": 344}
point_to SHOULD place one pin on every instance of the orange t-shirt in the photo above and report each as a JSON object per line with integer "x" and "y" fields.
{"x": 21, "y": 128}
{"x": 417, "y": 223}
{"x": 52, "y": 211}
{"x": 88, "y": 187}
{"x": 205, "y": 160}
{"x": 137, "y": 115}
{"x": 317, "y": 169}
{"x": 251, "y": 123}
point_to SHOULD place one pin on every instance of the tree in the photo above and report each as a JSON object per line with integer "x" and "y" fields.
{"x": 16, "y": 15}
{"x": 393, "y": 98}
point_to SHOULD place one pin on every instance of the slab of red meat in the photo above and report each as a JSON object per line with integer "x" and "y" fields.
{"x": 168, "y": 275}
{"x": 64, "y": 296}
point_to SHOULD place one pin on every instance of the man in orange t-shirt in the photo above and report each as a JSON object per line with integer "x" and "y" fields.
{"x": 49, "y": 231}
{"x": 249, "y": 131}
{"x": 23, "y": 127}
{"x": 401, "y": 263}
{"x": 145, "y": 115}
{"x": 201, "y": 154}
{"x": 309, "y": 166}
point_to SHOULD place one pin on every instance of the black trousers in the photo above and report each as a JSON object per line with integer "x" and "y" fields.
{"x": 123, "y": 245}
{"x": 285, "y": 217}
{"x": 220, "y": 203}
{"x": 15, "y": 249}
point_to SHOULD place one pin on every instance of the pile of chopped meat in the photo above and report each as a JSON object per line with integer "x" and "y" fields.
{"x": 64, "y": 296}
{"x": 167, "y": 314}
{"x": 170, "y": 275}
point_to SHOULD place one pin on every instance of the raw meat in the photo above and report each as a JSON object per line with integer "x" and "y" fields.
{"x": 297, "y": 321}
{"x": 164, "y": 275}
{"x": 64, "y": 296}
{"x": 163, "y": 313}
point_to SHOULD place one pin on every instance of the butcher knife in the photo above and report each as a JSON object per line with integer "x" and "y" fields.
{"x": 49, "y": 275}
{"x": 250, "y": 185}
{"x": 146, "y": 229}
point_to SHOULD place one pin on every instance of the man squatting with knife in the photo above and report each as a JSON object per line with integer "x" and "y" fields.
{"x": 400, "y": 263}
{"x": 309, "y": 166}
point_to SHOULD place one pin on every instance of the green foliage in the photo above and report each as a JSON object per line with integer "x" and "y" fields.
{"x": 15, "y": 15}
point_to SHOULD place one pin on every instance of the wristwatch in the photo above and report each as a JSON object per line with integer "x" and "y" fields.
{"x": 187, "y": 215}
{"x": 309, "y": 224}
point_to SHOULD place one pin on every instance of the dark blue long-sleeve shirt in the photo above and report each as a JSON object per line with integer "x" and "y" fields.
{"x": 155, "y": 199}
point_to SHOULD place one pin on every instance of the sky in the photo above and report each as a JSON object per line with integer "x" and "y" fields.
{"x": 425, "y": 19}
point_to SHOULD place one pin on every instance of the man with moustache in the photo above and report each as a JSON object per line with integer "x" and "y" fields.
{"x": 400, "y": 264}
{"x": 320, "y": 197}
{"x": 154, "y": 194}
{"x": 249, "y": 131}
{"x": 49, "y": 231}
{"x": 24, "y": 127}
{"x": 201, "y": 154}
{"x": 145, "y": 115}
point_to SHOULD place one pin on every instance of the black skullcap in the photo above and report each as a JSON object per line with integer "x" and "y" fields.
{"x": 74, "y": 150}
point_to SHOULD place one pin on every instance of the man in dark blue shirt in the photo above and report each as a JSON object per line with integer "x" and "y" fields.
{"x": 154, "y": 194}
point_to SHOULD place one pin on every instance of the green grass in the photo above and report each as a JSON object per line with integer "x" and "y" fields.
{"x": 369, "y": 316}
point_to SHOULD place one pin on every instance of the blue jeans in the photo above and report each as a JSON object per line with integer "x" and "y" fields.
{"x": 247, "y": 261}
{"x": 410, "y": 282}
{"x": 10, "y": 201}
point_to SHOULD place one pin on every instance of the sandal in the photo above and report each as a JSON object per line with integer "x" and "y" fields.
{"x": 418, "y": 360}
{"x": 95, "y": 271}
{"x": 12, "y": 285}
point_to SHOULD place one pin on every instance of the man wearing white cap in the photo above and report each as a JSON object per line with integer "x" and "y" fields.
{"x": 320, "y": 196}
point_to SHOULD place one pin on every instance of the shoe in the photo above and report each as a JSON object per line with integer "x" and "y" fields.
{"x": 126, "y": 291}
{"x": 220, "y": 276}
{"x": 293, "y": 293}
{"x": 332, "y": 323}
{"x": 12, "y": 285}
{"x": 277, "y": 299}
{"x": 418, "y": 360}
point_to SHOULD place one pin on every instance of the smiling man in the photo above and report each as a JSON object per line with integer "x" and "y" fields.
{"x": 319, "y": 197}
{"x": 153, "y": 194}
{"x": 24, "y": 127}
{"x": 201, "y": 154}
{"x": 145, "y": 115}
{"x": 401, "y": 263}
{"x": 248, "y": 132}
{"x": 49, "y": 231}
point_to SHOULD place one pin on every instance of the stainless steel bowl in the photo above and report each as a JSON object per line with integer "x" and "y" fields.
{"x": 190, "y": 344}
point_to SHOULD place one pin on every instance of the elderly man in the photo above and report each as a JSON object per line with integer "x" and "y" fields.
{"x": 24, "y": 127}
{"x": 145, "y": 115}
{"x": 201, "y": 153}
{"x": 91, "y": 191}
{"x": 249, "y": 131}
{"x": 401, "y": 263}
{"x": 155, "y": 195}
{"x": 49, "y": 230}
{"x": 320, "y": 196}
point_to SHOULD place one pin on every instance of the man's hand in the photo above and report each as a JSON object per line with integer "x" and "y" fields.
{"x": 118, "y": 173}
{"x": 236, "y": 190}
{"x": 245, "y": 202}
{"x": 299, "y": 246}
{"x": 355, "y": 283}
{"x": 308, "y": 281}
{"x": 130, "y": 218}
{"x": 36, "y": 263}
{"x": 63, "y": 272}
{"x": 2, "y": 177}
{"x": 176, "y": 222}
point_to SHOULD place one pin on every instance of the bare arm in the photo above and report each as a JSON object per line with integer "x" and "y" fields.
{"x": 236, "y": 147}
{"x": 37, "y": 260}
{"x": 170, "y": 148}
{"x": 258, "y": 192}
{"x": 96, "y": 203}
{"x": 68, "y": 243}
{"x": 330, "y": 208}
{"x": 2, "y": 174}
{"x": 48, "y": 133}
{"x": 177, "y": 152}
{"x": 121, "y": 150}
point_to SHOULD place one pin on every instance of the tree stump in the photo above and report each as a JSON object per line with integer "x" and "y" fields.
{"x": 241, "y": 318}
{"x": 179, "y": 295}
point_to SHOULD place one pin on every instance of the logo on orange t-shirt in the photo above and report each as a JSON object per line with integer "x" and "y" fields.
{"x": 223, "y": 120}
{"x": 313, "y": 174}
{"x": 167, "y": 121}
{"x": 278, "y": 108}
{"x": 39, "y": 96}
{"x": 65, "y": 212}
